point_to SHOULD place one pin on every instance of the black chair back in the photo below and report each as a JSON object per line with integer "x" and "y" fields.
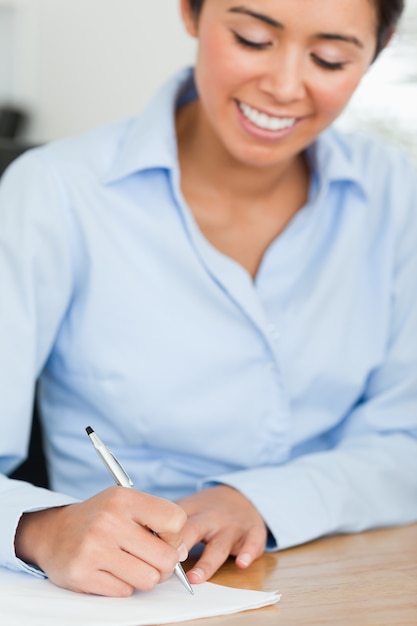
{"x": 9, "y": 151}
{"x": 12, "y": 121}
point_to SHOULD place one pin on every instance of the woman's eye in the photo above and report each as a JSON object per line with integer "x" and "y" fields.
{"x": 327, "y": 65}
{"x": 247, "y": 43}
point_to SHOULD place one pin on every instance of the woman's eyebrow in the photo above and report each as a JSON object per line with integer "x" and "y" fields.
{"x": 340, "y": 37}
{"x": 258, "y": 16}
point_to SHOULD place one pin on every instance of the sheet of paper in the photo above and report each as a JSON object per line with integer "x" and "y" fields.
{"x": 26, "y": 600}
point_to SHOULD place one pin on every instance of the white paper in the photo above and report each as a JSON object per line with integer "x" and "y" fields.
{"x": 26, "y": 600}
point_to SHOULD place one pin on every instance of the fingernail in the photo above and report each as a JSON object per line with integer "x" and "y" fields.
{"x": 245, "y": 559}
{"x": 182, "y": 552}
{"x": 197, "y": 572}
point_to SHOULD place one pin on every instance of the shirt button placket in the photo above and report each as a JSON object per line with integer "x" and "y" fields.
{"x": 273, "y": 335}
{"x": 273, "y": 332}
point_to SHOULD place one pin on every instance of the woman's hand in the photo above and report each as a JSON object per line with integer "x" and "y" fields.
{"x": 228, "y": 523}
{"x": 103, "y": 545}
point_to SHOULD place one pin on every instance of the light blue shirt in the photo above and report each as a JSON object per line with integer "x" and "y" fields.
{"x": 298, "y": 388}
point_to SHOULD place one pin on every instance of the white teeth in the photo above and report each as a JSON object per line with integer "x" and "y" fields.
{"x": 262, "y": 120}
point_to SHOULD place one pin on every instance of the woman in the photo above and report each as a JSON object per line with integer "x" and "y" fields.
{"x": 224, "y": 288}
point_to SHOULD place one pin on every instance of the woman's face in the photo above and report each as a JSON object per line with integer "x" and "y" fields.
{"x": 272, "y": 74}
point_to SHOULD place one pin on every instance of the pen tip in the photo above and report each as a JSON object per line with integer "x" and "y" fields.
{"x": 89, "y": 430}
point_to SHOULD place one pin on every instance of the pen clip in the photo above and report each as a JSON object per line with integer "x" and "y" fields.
{"x": 120, "y": 466}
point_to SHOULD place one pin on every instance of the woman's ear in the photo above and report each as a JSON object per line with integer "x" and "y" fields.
{"x": 189, "y": 18}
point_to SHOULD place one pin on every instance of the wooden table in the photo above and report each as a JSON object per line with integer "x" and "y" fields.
{"x": 369, "y": 579}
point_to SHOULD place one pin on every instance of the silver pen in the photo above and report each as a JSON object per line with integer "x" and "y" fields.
{"x": 122, "y": 478}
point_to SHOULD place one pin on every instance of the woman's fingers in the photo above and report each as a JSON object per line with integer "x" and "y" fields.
{"x": 252, "y": 546}
{"x": 247, "y": 548}
{"x": 215, "y": 553}
{"x": 103, "y": 584}
{"x": 228, "y": 523}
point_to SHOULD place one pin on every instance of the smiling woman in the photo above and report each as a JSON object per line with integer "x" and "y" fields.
{"x": 230, "y": 247}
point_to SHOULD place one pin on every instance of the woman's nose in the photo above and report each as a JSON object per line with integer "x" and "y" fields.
{"x": 283, "y": 78}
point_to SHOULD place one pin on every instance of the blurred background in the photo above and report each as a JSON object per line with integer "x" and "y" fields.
{"x": 69, "y": 65}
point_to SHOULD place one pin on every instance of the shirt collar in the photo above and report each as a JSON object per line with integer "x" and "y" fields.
{"x": 150, "y": 141}
{"x": 332, "y": 160}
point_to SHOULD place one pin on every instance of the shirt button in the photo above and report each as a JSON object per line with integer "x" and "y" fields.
{"x": 273, "y": 332}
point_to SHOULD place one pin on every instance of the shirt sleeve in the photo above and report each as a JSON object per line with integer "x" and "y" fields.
{"x": 36, "y": 275}
{"x": 369, "y": 478}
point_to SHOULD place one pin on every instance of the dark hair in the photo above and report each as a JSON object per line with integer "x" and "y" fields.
{"x": 196, "y": 6}
{"x": 388, "y": 11}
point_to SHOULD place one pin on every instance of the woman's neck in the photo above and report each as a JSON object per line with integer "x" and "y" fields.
{"x": 203, "y": 156}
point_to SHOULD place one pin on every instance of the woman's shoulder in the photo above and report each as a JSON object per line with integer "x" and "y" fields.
{"x": 372, "y": 156}
{"x": 72, "y": 158}
{"x": 387, "y": 176}
{"x": 93, "y": 151}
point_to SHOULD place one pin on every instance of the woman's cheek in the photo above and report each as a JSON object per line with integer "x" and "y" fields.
{"x": 334, "y": 95}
